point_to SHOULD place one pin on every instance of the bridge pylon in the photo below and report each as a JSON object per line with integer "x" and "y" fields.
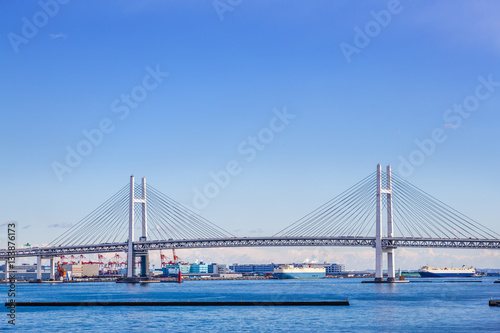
{"x": 379, "y": 250}
{"x": 131, "y": 254}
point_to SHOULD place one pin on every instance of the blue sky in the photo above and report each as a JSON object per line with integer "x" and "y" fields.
{"x": 227, "y": 72}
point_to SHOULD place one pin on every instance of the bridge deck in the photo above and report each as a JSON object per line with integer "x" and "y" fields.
{"x": 256, "y": 242}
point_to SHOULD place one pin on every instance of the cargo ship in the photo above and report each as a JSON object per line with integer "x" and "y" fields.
{"x": 428, "y": 271}
{"x": 291, "y": 272}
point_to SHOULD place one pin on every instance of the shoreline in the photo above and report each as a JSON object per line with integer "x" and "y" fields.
{"x": 174, "y": 279}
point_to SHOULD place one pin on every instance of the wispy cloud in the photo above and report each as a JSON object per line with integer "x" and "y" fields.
{"x": 61, "y": 225}
{"x": 59, "y": 35}
{"x": 256, "y": 231}
{"x": 9, "y": 222}
{"x": 450, "y": 125}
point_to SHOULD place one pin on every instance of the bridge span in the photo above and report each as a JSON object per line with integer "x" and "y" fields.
{"x": 48, "y": 252}
{"x": 412, "y": 219}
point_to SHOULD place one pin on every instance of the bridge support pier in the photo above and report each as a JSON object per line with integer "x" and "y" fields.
{"x": 390, "y": 266}
{"x": 144, "y": 256}
{"x": 7, "y": 269}
{"x": 39, "y": 268}
{"x": 52, "y": 268}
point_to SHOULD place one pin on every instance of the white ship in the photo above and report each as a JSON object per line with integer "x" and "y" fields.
{"x": 428, "y": 271}
{"x": 291, "y": 272}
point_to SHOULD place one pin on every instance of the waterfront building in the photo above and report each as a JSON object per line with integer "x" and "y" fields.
{"x": 26, "y": 272}
{"x": 82, "y": 270}
{"x": 200, "y": 268}
{"x": 172, "y": 269}
{"x": 243, "y": 269}
{"x": 90, "y": 270}
{"x": 75, "y": 271}
{"x": 335, "y": 269}
{"x": 217, "y": 269}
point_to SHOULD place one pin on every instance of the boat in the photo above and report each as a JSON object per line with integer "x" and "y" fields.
{"x": 292, "y": 272}
{"x": 435, "y": 272}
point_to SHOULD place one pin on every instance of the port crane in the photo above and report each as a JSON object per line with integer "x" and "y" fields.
{"x": 177, "y": 260}
{"x": 163, "y": 259}
{"x": 100, "y": 259}
{"x": 61, "y": 272}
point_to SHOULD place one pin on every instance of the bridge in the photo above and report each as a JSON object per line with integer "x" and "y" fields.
{"x": 356, "y": 217}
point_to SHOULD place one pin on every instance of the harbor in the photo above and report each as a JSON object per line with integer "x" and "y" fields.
{"x": 89, "y": 271}
{"x": 72, "y": 301}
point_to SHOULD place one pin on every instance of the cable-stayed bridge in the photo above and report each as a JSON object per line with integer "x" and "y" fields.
{"x": 356, "y": 217}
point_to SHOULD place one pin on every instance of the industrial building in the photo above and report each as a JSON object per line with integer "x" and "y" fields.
{"x": 186, "y": 269}
{"x": 26, "y": 272}
{"x": 217, "y": 269}
{"x": 82, "y": 270}
{"x": 335, "y": 269}
{"x": 200, "y": 268}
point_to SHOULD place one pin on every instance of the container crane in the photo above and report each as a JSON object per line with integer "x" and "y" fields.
{"x": 163, "y": 259}
{"x": 61, "y": 272}
{"x": 100, "y": 259}
{"x": 177, "y": 260}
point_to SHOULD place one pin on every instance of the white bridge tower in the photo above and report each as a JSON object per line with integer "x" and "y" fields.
{"x": 379, "y": 249}
{"x": 131, "y": 254}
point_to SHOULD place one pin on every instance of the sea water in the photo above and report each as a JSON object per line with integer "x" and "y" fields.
{"x": 438, "y": 306}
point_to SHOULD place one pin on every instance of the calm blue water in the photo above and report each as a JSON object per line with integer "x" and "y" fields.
{"x": 412, "y": 307}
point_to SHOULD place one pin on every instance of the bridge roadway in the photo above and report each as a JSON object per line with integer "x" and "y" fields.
{"x": 46, "y": 252}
